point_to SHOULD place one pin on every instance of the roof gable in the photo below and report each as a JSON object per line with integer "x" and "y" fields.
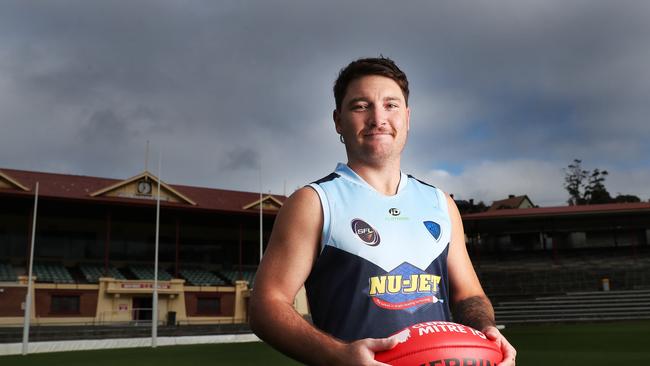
{"x": 512, "y": 202}
{"x": 7, "y": 182}
{"x": 143, "y": 186}
{"x": 268, "y": 203}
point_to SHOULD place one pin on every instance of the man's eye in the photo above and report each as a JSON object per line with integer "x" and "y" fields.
{"x": 360, "y": 107}
{"x": 392, "y": 106}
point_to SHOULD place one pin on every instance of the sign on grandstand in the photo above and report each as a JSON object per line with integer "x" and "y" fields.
{"x": 165, "y": 286}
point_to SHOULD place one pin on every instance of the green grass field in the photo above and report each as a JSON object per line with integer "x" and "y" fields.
{"x": 558, "y": 345}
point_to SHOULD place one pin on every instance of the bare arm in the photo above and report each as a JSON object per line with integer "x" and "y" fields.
{"x": 291, "y": 253}
{"x": 470, "y": 305}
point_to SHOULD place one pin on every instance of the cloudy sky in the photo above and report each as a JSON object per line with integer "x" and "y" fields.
{"x": 504, "y": 94}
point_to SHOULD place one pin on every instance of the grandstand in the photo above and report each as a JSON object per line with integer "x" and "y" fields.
{"x": 94, "y": 249}
{"x": 556, "y": 264}
{"x": 92, "y": 273}
{"x": 523, "y": 253}
{"x": 52, "y": 272}
{"x": 537, "y": 274}
{"x": 240, "y": 275}
{"x": 142, "y": 272}
{"x": 577, "y": 307}
{"x": 7, "y": 273}
{"x": 201, "y": 277}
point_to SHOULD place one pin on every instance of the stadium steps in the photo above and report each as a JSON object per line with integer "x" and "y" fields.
{"x": 577, "y": 307}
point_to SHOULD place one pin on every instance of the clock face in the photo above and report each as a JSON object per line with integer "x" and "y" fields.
{"x": 144, "y": 187}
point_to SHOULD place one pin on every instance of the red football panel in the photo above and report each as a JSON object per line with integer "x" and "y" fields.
{"x": 444, "y": 341}
{"x": 450, "y": 356}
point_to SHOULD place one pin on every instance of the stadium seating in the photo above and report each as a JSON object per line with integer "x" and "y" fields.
{"x": 92, "y": 272}
{"x": 246, "y": 275}
{"x": 200, "y": 277}
{"x": 538, "y": 274}
{"x": 577, "y": 306}
{"x": 7, "y": 273}
{"x": 55, "y": 273}
{"x": 147, "y": 273}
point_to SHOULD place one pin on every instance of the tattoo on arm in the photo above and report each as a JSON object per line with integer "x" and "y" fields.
{"x": 475, "y": 311}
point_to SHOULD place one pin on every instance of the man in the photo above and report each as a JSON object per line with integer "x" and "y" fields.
{"x": 376, "y": 249}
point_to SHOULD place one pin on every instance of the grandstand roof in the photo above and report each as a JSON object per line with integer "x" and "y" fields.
{"x": 609, "y": 208}
{"x": 80, "y": 188}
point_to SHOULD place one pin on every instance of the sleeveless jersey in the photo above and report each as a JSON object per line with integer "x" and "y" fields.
{"x": 383, "y": 259}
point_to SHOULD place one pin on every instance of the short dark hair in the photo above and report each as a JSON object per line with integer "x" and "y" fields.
{"x": 382, "y": 66}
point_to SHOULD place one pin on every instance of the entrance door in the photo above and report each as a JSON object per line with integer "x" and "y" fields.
{"x": 142, "y": 308}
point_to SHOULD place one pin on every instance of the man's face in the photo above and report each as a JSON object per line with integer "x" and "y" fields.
{"x": 373, "y": 119}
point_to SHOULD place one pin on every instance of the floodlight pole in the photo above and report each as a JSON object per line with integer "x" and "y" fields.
{"x": 146, "y": 157}
{"x": 28, "y": 297}
{"x": 154, "y": 310}
{"x": 261, "y": 220}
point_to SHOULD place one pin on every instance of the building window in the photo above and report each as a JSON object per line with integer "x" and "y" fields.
{"x": 208, "y": 306}
{"x": 65, "y": 304}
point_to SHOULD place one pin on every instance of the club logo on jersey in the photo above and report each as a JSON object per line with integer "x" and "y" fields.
{"x": 434, "y": 229}
{"x": 405, "y": 288}
{"x": 365, "y": 232}
{"x": 396, "y": 215}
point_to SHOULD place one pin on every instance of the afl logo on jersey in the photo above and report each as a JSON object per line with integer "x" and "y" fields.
{"x": 365, "y": 232}
{"x": 394, "y": 211}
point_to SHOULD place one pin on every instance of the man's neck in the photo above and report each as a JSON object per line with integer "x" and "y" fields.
{"x": 383, "y": 177}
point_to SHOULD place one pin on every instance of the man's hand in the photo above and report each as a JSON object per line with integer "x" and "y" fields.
{"x": 362, "y": 352}
{"x": 509, "y": 352}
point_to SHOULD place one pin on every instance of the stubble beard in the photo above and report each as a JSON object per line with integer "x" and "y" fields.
{"x": 377, "y": 156}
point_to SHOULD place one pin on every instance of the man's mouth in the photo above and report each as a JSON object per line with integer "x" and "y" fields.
{"x": 376, "y": 133}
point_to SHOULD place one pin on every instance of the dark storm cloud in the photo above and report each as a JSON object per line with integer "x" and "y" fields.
{"x": 104, "y": 127}
{"x": 544, "y": 72}
{"x": 227, "y": 85}
{"x": 244, "y": 158}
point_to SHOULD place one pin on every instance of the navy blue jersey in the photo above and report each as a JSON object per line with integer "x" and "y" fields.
{"x": 383, "y": 259}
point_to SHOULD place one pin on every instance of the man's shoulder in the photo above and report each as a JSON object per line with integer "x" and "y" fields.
{"x": 439, "y": 193}
{"x": 332, "y": 176}
{"x": 305, "y": 198}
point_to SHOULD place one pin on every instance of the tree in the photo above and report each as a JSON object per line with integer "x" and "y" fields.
{"x": 584, "y": 186}
{"x": 574, "y": 182}
{"x": 595, "y": 191}
{"x": 627, "y": 198}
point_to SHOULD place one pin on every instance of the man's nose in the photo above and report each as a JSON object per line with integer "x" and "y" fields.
{"x": 377, "y": 117}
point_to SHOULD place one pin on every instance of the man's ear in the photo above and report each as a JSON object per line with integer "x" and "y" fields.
{"x": 336, "y": 116}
